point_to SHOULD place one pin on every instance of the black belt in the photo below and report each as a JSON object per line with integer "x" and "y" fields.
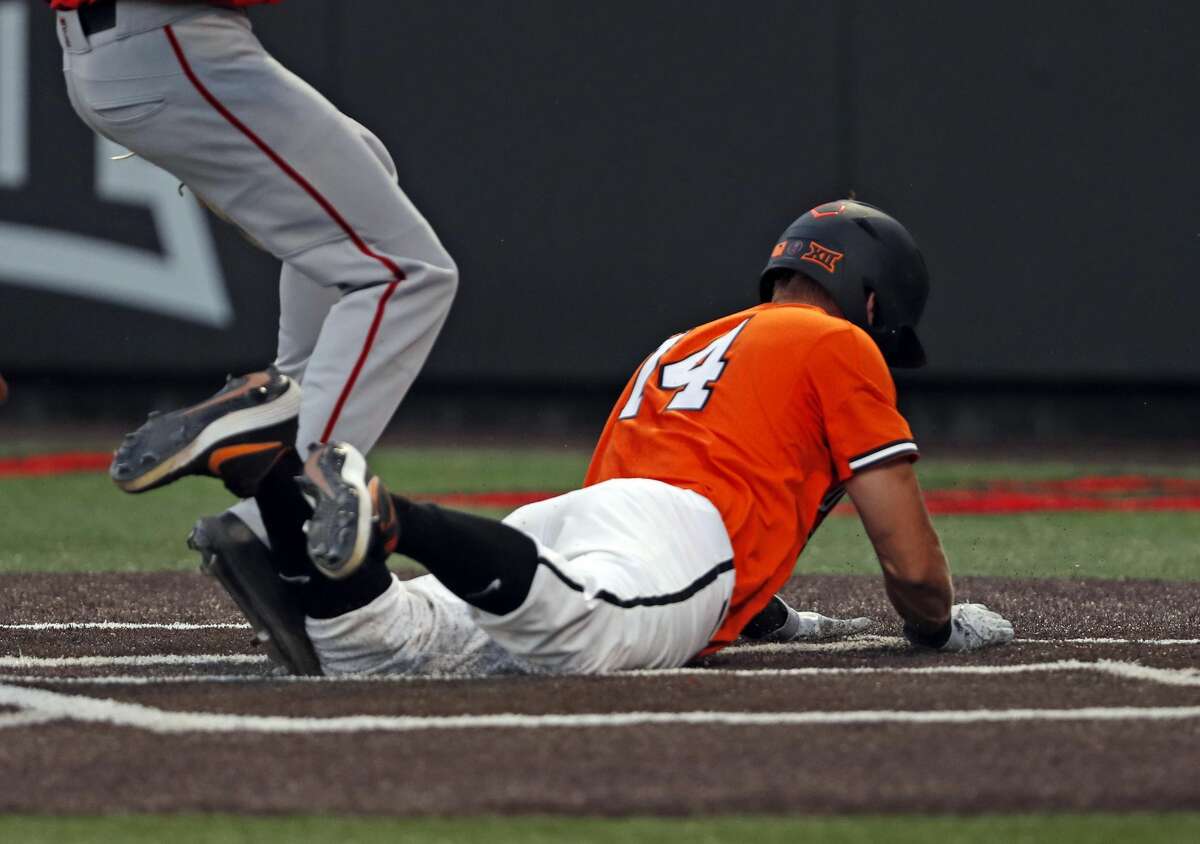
{"x": 98, "y": 17}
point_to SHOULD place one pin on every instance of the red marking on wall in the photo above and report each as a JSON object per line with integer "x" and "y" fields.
{"x": 40, "y": 465}
{"x": 1096, "y": 494}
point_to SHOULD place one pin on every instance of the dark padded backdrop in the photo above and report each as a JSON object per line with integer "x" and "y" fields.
{"x": 607, "y": 174}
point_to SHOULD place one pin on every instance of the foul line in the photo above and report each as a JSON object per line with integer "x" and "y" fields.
{"x": 40, "y": 702}
{"x": 123, "y": 625}
{"x": 855, "y": 643}
{"x": 24, "y": 718}
{"x": 136, "y": 660}
{"x": 869, "y": 643}
{"x": 1127, "y": 670}
{"x": 1189, "y": 677}
{"x": 1108, "y": 641}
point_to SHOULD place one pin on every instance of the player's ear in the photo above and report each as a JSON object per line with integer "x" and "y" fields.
{"x": 871, "y": 308}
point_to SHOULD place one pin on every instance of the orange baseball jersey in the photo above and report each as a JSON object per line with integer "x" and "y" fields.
{"x": 765, "y": 413}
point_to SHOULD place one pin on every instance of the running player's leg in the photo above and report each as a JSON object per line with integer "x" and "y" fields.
{"x": 275, "y": 157}
{"x": 270, "y": 154}
{"x": 303, "y": 307}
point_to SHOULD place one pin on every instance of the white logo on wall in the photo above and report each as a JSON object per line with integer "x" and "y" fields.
{"x": 183, "y": 281}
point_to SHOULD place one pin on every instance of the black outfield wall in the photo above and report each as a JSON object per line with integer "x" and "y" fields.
{"x": 608, "y": 173}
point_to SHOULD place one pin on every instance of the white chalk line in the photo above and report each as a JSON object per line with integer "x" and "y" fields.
{"x": 1107, "y": 641}
{"x": 1127, "y": 670}
{"x": 855, "y": 644}
{"x": 24, "y": 718}
{"x": 123, "y": 625}
{"x": 137, "y": 660}
{"x": 1186, "y": 677}
{"x": 852, "y": 644}
{"x": 119, "y": 714}
{"x": 897, "y": 643}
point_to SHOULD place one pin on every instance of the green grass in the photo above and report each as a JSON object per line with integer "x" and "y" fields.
{"x": 224, "y": 829}
{"x": 1158, "y": 546}
{"x": 81, "y": 522}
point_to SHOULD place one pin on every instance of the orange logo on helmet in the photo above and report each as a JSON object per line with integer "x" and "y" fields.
{"x": 778, "y": 250}
{"x": 817, "y": 212}
{"x": 823, "y": 256}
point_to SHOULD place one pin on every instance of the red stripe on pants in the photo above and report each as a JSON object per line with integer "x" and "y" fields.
{"x": 395, "y": 271}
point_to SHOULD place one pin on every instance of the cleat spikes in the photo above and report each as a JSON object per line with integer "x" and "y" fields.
{"x": 230, "y": 436}
{"x": 340, "y": 535}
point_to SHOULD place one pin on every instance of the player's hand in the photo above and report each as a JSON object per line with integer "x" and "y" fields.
{"x": 814, "y": 627}
{"x": 974, "y": 626}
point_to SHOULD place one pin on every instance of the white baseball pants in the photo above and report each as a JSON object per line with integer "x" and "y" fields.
{"x": 366, "y": 285}
{"x": 634, "y": 574}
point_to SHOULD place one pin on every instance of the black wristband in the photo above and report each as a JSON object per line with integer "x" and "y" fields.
{"x": 770, "y": 619}
{"x": 928, "y": 640}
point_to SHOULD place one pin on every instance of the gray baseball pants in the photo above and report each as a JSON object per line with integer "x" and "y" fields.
{"x": 365, "y": 286}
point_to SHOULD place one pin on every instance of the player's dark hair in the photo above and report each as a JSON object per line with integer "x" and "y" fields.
{"x": 802, "y": 287}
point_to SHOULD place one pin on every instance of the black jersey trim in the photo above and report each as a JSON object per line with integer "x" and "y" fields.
{"x": 706, "y": 579}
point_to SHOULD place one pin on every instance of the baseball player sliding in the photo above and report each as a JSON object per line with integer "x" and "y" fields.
{"x": 365, "y": 284}
{"x": 727, "y": 448}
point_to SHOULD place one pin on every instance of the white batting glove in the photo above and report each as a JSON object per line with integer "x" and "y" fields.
{"x": 974, "y": 626}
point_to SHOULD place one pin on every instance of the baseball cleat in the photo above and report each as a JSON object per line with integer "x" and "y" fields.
{"x": 231, "y": 553}
{"x": 236, "y": 435}
{"x": 352, "y": 510}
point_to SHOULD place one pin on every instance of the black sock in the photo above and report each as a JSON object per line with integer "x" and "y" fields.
{"x": 486, "y": 563}
{"x": 770, "y": 619}
{"x": 284, "y": 512}
{"x": 325, "y": 598}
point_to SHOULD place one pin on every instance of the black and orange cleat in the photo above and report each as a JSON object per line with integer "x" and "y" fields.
{"x": 353, "y": 518}
{"x": 234, "y": 556}
{"x": 236, "y": 435}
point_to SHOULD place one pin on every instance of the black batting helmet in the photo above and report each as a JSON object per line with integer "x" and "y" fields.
{"x": 852, "y": 249}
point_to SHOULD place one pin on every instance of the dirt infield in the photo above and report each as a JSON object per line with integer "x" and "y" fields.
{"x": 144, "y": 693}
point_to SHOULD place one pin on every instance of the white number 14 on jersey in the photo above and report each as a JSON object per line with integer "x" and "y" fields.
{"x": 692, "y": 378}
